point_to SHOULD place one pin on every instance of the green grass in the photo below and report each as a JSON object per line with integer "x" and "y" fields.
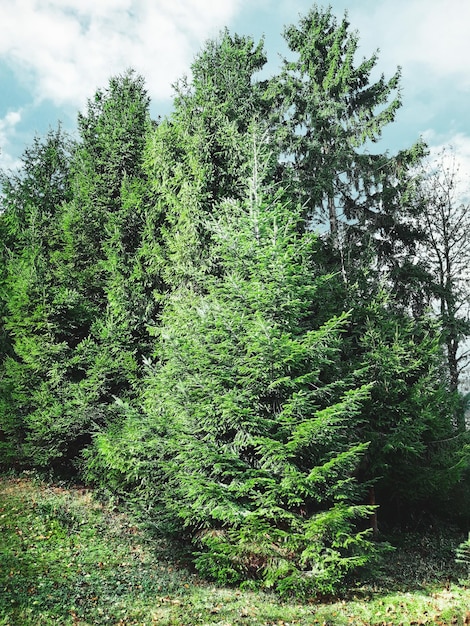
{"x": 66, "y": 559}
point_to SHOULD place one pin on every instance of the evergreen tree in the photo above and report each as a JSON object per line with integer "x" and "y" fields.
{"x": 108, "y": 159}
{"x": 414, "y": 460}
{"x": 75, "y": 306}
{"x": 251, "y": 427}
{"x": 216, "y": 108}
{"x": 103, "y": 226}
{"x": 332, "y": 114}
{"x": 198, "y": 157}
{"x": 35, "y": 309}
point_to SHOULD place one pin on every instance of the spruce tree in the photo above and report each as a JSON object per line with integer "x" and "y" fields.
{"x": 414, "y": 460}
{"x": 102, "y": 232}
{"x": 332, "y": 113}
{"x": 197, "y": 157}
{"x": 216, "y": 106}
{"x": 254, "y": 432}
{"x": 75, "y": 303}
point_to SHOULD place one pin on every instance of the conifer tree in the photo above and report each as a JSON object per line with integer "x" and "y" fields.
{"x": 216, "y": 107}
{"x": 107, "y": 161}
{"x": 103, "y": 227}
{"x": 75, "y": 304}
{"x": 36, "y": 310}
{"x": 414, "y": 459}
{"x": 254, "y": 434}
{"x": 332, "y": 113}
{"x": 196, "y": 157}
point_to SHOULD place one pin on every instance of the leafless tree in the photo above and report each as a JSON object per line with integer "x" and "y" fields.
{"x": 446, "y": 253}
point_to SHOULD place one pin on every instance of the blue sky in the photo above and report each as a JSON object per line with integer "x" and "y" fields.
{"x": 55, "y": 53}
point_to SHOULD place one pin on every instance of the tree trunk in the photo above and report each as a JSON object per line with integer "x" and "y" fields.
{"x": 333, "y": 218}
{"x": 373, "y": 515}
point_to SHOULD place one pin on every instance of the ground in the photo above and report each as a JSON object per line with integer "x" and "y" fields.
{"x": 66, "y": 559}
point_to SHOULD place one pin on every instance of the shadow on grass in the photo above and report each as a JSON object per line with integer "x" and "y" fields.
{"x": 65, "y": 559}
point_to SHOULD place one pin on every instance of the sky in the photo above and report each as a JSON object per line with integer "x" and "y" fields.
{"x": 54, "y": 54}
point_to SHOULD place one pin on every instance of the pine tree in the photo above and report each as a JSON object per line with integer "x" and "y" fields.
{"x": 109, "y": 157}
{"x": 332, "y": 114}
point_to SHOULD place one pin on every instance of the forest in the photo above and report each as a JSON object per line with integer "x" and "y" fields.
{"x": 242, "y": 320}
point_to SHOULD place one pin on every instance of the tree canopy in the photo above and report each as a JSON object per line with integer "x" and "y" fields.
{"x": 224, "y": 317}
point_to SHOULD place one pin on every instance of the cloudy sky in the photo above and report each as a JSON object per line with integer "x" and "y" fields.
{"x": 55, "y": 53}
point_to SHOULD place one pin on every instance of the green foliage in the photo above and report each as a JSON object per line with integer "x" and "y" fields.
{"x": 174, "y": 328}
{"x": 330, "y": 112}
{"x": 73, "y": 225}
{"x": 463, "y": 553}
{"x": 106, "y": 166}
{"x": 123, "y": 461}
{"x": 103, "y": 238}
{"x": 216, "y": 108}
{"x": 332, "y": 109}
{"x": 414, "y": 449}
{"x": 257, "y": 450}
{"x": 198, "y": 157}
{"x": 31, "y": 206}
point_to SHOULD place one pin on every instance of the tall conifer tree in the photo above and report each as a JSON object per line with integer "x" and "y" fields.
{"x": 257, "y": 447}
{"x": 333, "y": 112}
{"x": 36, "y": 309}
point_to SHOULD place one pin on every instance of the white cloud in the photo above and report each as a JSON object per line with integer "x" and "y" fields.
{"x": 7, "y": 132}
{"x": 431, "y": 34}
{"x": 64, "y": 49}
{"x": 454, "y": 149}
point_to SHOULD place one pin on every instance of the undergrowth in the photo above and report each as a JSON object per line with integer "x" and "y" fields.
{"x": 66, "y": 559}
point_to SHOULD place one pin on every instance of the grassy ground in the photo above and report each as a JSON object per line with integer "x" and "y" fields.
{"x": 65, "y": 559}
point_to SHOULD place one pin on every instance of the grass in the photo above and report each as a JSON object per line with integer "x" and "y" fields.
{"x": 67, "y": 560}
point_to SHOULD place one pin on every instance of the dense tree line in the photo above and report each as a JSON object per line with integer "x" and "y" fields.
{"x": 226, "y": 318}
